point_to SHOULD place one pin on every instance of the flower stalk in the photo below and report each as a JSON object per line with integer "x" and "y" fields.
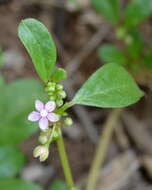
{"x": 64, "y": 160}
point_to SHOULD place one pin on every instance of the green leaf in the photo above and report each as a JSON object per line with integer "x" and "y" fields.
{"x": 2, "y": 82}
{"x": 137, "y": 11}
{"x": 110, "y": 9}
{"x": 17, "y": 184}
{"x": 11, "y": 161}
{"x": 112, "y": 54}
{"x": 148, "y": 59}
{"x": 16, "y": 102}
{"x": 109, "y": 86}
{"x": 58, "y": 185}
{"x": 58, "y": 75}
{"x": 136, "y": 44}
{"x": 39, "y": 44}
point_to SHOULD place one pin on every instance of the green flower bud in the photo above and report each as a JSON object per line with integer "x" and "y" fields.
{"x": 44, "y": 156}
{"x": 51, "y": 86}
{"x": 43, "y": 139}
{"x": 62, "y": 94}
{"x": 121, "y": 33}
{"x": 59, "y": 87}
{"x": 59, "y": 102}
{"x": 50, "y": 93}
{"x": 52, "y": 98}
{"x": 68, "y": 121}
{"x": 42, "y": 152}
{"x": 37, "y": 151}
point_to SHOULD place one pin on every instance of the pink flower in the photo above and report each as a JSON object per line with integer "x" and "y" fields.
{"x": 44, "y": 114}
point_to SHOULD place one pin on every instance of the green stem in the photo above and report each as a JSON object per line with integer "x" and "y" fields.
{"x": 102, "y": 149}
{"x": 64, "y": 161}
{"x": 64, "y": 107}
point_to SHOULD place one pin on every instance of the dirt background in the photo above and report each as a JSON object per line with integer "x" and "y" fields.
{"x": 78, "y": 32}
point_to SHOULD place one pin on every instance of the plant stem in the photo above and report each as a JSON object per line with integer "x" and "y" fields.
{"x": 64, "y": 161}
{"x": 102, "y": 149}
{"x": 65, "y": 107}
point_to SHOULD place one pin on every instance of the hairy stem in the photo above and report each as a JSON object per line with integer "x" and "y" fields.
{"x": 102, "y": 149}
{"x": 64, "y": 161}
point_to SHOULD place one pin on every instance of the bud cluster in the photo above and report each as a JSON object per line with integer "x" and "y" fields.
{"x": 48, "y": 135}
{"x": 122, "y": 34}
{"x": 56, "y": 93}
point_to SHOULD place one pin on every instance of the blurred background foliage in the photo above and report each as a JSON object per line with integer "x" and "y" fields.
{"x": 16, "y": 101}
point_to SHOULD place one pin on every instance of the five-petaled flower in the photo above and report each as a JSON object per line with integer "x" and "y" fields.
{"x": 44, "y": 114}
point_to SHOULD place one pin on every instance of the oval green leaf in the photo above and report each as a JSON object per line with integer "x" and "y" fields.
{"x": 58, "y": 185}
{"x": 11, "y": 161}
{"x": 110, "y": 9}
{"x": 39, "y": 44}
{"x": 110, "y": 86}
{"x": 17, "y": 184}
{"x": 137, "y": 11}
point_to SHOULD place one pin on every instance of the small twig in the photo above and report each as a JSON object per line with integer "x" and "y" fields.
{"x": 121, "y": 137}
{"x": 102, "y": 149}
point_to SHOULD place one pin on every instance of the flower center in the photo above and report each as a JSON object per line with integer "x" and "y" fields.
{"x": 43, "y": 113}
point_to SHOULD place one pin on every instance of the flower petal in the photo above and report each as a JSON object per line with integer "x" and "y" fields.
{"x": 50, "y": 106}
{"x": 39, "y": 105}
{"x": 43, "y": 123}
{"x": 34, "y": 116}
{"x": 53, "y": 117}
